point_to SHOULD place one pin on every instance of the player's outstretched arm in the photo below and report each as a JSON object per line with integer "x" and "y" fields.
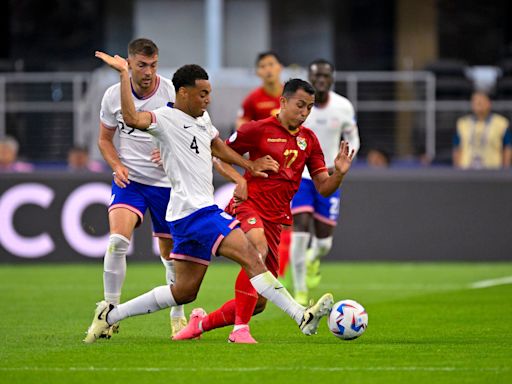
{"x": 325, "y": 184}
{"x": 132, "y": 118}
{"x": 228, "y": 155}
{"x": 229, "y": 173}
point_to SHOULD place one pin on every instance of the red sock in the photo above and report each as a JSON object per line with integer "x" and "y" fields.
{"x": 284, "y": 250}
{"x": 221, "y": 317}
{"x": 246, "y": 298}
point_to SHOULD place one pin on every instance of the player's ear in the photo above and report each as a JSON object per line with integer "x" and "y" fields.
{"x": 282, "y": 101}
{"x": 183, "y": 92}
{"x": 129, "y": 61}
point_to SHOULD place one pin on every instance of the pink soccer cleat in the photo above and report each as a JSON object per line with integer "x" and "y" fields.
{"x": 241, "y": 336}
{"x": 192, "y": 330}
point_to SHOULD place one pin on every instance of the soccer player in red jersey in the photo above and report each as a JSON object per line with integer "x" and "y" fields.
{"x": 267, "y": 206}
{"x": 263, "y": 102}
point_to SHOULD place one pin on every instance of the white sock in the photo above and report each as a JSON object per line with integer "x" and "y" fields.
{"x": 152, "y": 301}
{"x": 170, "y": 278}
{"x": 271, "y": 289}
{"x": 320, "y": 247}
{"x": 114, "y": 267}
{"x": 299, "y": 246}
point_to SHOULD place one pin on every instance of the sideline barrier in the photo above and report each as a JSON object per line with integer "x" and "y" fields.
{"x": 396, "y": 214}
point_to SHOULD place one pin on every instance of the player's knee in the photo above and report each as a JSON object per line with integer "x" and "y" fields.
{"x": 253, "y": 263}
{"x": 118, "y": 245}
{"x": 185, "y": 291}
{"x": 324, "y": 246}
{"x": 260, "y": 306}
{"x": 185, "y": 297}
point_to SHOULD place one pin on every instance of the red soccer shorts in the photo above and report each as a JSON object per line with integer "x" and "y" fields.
{"x": 249, "y": 218}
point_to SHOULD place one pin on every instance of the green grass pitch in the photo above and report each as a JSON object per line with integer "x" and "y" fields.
{"x": 427, "y": 324}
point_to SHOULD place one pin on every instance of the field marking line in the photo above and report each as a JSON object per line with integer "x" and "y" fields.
{"x": 254, "y": 369}
{"x": 491, "y": 282}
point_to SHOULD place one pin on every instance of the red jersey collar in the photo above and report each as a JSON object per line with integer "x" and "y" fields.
{"x": 276, "y": 121}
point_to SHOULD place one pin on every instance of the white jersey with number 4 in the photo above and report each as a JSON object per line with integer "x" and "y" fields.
{"x": 185, "y": 147}
{"x": 330, "y": 123}
{"x": 135, "y": 146}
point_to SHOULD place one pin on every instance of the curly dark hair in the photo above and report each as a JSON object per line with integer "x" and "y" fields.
{"x": 187, "y": 75}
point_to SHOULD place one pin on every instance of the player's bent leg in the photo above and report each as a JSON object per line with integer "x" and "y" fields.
{"x": 122, "y": 222}
{"x": 189, "y": 276}
{"x": 246, "y": 296}
{"x": 236, "y": 247}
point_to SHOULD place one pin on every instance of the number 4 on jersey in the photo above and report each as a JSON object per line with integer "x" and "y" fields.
{"x": 194, "y": 146}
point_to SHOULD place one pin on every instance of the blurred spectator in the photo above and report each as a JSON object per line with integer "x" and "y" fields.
{"x": 78, "y": 161}
{"x": 9, "y": 157}
{"x": 483, "y": 139}
{"x": 378, "y": 158}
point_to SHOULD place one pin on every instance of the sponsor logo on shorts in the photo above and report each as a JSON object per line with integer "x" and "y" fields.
{"x": 252, "y": 220}
{"x": 112, "y": 199}
{"x": 226, "y": 216}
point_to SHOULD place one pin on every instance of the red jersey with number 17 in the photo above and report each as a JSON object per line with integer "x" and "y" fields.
{"x": 292, "y": 150}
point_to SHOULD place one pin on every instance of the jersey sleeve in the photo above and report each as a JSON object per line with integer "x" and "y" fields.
{"x": 316, "y": 161}
{"x": 244, "y": 139}
{"x": 154, "y": 128}
{"x": 350, "y": 129}
{"x": 107, "y": 116}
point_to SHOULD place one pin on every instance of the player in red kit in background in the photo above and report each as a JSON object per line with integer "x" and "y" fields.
{"x": 263, "y": 102}
{"x": 267, "y": 207}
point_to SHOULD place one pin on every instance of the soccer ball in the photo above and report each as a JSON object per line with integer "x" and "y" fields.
{"x": 348, "y": 320}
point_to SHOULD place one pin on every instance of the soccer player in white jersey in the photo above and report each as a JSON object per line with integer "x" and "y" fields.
{"x": 138, "y": 183}
{"x": 187, "y": 142}
{"x": 332, "y": 119}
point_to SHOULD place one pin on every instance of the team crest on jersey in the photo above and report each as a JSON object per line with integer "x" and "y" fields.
{"x": 301, "y": 142}
{"x": 252, "y": 220}
{"x": 232, "y": 138}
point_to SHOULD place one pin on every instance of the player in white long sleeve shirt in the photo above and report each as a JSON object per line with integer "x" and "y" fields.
{"x": 332, "y": 119}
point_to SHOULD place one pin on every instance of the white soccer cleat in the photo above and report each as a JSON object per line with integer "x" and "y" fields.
{"x": 114, "y": 328}
{"x": 99, "y": 323}
{"x": 177, "y": 324}
{"x": 313, "y": 314}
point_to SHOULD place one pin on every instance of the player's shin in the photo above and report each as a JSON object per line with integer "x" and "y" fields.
{"x": 246, "y": 299}
{"x": 170, "y": 277}
{"x": 270, "y": 288}
{"x": 299, "y": 246}
{"x": 114, "y": 267}
{"x": 152, "y": 301}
